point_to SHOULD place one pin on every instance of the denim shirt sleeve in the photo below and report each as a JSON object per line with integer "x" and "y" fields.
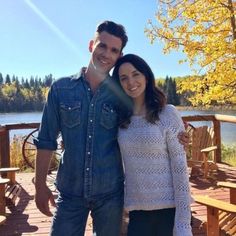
{"x": 49, "y": 127}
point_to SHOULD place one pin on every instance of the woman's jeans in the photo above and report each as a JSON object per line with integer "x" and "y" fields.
{"x": 72, "y": 212}
{"x": 151, "y": 223}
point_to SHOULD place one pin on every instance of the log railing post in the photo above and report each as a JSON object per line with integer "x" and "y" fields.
{"x": 4, "y": 147}
{"x": 217, "y": 140}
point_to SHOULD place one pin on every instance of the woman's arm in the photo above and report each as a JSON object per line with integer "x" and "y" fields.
{"x": 179, "y": 173}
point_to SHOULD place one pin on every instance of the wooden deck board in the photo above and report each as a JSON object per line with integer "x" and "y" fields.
{"x": 24, "y": 218}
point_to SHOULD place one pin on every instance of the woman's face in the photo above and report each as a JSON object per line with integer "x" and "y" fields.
{"x": 132, "y": 81}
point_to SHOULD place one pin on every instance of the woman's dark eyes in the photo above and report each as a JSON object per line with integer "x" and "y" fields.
{"x": 123, "y": 78}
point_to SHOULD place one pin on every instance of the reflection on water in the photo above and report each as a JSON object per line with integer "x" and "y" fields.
{"x": 228, "y": 130}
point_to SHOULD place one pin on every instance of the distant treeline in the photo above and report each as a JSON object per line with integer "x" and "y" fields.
{"x": 20, "y": 95}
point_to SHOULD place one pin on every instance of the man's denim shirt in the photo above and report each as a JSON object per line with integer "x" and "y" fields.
{"x": 91, "y": 164}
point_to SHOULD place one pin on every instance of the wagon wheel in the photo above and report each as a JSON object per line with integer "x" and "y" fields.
{"x": 29, "y": 151}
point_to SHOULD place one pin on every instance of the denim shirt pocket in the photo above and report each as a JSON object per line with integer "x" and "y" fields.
{"x": 70, "y": 113}
{"x": 109, "y": 116}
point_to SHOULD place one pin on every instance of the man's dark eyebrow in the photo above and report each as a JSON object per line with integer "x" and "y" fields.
{"x": 116, "y": 50}
{"x": 102, "y": 44}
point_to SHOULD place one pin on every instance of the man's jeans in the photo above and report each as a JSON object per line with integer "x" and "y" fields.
{"x": 72, "y": 212}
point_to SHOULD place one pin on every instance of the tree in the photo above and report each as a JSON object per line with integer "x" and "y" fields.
{"x": 13, "y": 79}
{"x": 26, "y": 84}
{"x": 1, "y": 79}
{"x": 32, "y": 82}
{"x": 205, "y": 31}
{"x": 48, "y": 80}
{"x": 7, "y": 79}
{"x": 29, "y": 95}
{"x": 170, "y": 91}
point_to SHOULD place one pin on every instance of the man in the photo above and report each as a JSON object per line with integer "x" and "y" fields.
{"x": 85, "y": 108}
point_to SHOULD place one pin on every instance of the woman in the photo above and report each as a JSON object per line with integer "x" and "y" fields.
{"x": 157, "y": 193}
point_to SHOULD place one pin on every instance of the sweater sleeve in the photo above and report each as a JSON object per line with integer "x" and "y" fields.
{"x": 179, "y": 172}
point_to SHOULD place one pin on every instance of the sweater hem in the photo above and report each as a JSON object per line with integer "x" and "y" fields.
{"x": 148, "y": 208}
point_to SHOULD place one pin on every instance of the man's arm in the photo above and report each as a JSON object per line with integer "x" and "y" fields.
{"x": 43, "y": 194}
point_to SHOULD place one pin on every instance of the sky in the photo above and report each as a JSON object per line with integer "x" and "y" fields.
{"x": 42, "y": 37}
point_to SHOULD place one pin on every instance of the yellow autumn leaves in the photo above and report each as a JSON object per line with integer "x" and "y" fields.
{"x": 205, "y": 30}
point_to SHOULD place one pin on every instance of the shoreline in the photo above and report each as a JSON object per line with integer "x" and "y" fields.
{"x": 212, "y": 108}
{"x": 179, "y": 107}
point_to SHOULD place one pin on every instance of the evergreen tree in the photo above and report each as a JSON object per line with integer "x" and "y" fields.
{"x": 175, "y": 95}
{"x": 13, "y": 79}
{"x": 169, "y": 88}
{"x": 8, "y": 79}
{"x": 31, "y": 83}
{"x": 40, "y": 82}
{"x": 26, "y": 84}
{"x": 48, "y": 80}
{"x": 36, "y": 84}
{"x": 17, "y": 82}
{"x": 1, "y": 79}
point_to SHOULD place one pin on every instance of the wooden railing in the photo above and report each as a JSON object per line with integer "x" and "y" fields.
{"x": 5, "y": 140}
{"x": 215, "y": 119}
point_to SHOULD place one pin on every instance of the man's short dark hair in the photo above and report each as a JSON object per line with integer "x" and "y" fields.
{"x": 114, "y": 29}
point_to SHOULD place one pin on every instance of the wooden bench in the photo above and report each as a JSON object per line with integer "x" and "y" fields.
{"x": 214, "y": 209}
{"x": 2, "y": 219}
{"x": 12, "y": 189}
{"x": 3, "y": 182}
{"x": 225, "y": 216}
{"x": 232, "y": 190}
{"x": 9, "y": 173}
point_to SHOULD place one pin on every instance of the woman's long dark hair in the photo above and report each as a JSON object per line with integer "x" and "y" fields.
{"x": 155, "y": 99}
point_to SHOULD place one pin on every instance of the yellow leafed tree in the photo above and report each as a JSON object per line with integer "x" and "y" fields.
{"x": 205, "y": 31}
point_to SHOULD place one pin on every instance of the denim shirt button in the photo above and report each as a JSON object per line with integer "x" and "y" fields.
{"x": 87, "y": 169}
{"x": 92, "y": 105}
{"x": 91, "y": 121}
{"x": 88, "y": 153}
{"x": 90, "y": 136}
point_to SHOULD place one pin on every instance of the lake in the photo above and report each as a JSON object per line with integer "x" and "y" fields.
{"x": 228, "y": 130}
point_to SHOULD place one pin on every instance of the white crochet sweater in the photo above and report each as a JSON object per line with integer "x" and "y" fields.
{"x": 156, "y": 175}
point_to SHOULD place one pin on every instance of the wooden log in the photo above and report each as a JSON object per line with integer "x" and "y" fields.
{"x": 2, "y": 196}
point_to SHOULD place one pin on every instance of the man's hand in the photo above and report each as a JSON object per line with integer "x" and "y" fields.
{"x": 184, "y": 139}
{"x": 42, "y": 198}
{"x": 43, "y": 194}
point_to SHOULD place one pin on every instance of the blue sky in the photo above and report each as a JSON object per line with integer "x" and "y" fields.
{"x": 51, "y": 36}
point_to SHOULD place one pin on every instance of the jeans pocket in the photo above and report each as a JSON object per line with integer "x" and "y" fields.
{"x": 70, "y": 114}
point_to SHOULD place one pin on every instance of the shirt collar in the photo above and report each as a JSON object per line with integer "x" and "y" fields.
{"x": 80, "y": 74}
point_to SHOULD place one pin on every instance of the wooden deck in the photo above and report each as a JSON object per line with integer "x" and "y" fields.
{"x": 25, "y": 219}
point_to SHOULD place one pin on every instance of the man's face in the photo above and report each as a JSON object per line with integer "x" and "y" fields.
{"x": 105, "y": 49}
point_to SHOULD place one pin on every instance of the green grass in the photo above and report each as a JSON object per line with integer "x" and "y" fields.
{"x": 228, "y": 154}
{"x": 17, "y": 159}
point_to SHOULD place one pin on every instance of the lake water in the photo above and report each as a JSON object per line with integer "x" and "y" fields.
{"x": 228, "y": 130}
